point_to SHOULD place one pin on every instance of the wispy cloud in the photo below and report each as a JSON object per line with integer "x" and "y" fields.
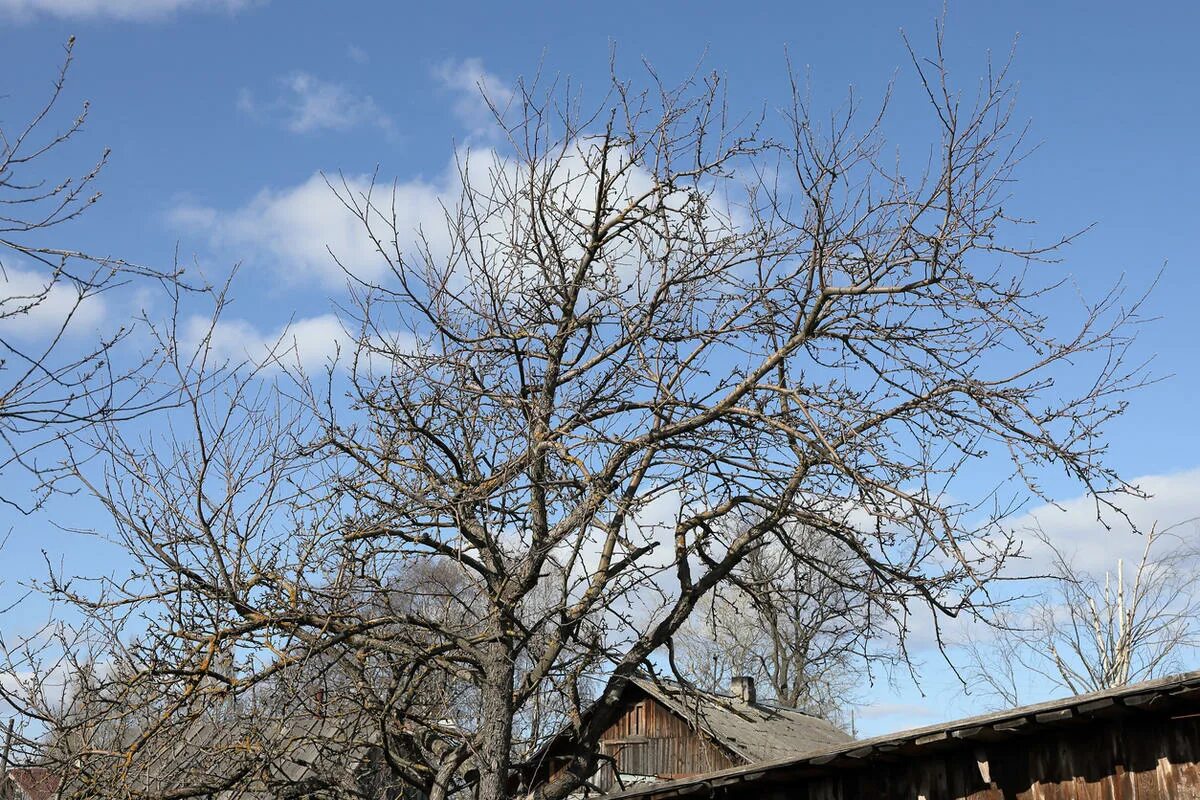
{"x": 126, "y": 10}
{"x": 476, "y": 92}
{"x": 357, "y": 54}
{"x": 914, "y": 713}
{"x": 307, "y": 104}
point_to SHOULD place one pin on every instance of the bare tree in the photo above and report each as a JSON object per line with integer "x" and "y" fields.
{"x": 649, "y": 342}
{"x": 1087, "y": 631}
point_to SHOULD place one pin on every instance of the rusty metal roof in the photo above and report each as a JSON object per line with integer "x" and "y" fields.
{"x": 986, "y": 727}
{"x": 754, "y": 731}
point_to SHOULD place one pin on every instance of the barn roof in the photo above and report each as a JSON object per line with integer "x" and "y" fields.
{"x": 1164, "y": 693}
{"x": 755, "y": 731}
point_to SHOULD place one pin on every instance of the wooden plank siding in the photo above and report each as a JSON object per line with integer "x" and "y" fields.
{"x": 648, "y": 740}
{"x": 1147, "y": 759}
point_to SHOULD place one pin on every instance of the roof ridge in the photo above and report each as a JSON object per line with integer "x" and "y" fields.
{"x": 773, "y": 705}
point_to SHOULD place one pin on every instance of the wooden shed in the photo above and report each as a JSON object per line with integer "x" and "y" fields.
{"x": 666, "y": 733}
{"x": 1139, "y": 742}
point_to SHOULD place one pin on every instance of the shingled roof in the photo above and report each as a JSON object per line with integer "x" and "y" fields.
{"x": 755, "y": 731}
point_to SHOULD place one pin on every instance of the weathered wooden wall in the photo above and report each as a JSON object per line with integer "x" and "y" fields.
{"x": 1149, "y": 758}
{"x": 649, "y": 741}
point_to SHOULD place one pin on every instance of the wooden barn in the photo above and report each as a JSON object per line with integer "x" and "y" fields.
{"x": 1139, "y": 742}
{"x": 666, "y": 733}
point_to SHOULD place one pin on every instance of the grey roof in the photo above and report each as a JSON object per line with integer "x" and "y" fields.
{"x": 1161, "y": 693}
{"x": 754, "y": 731}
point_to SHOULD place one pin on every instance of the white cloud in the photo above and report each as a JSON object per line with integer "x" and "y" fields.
{"x": 357, "y": 54}
{"x": 32, "y": 306}
{"x": 1072, "y": 527}
{"x": 310, "y": 104}
{"x": 473, "y": 87}
{"x": 194, "y": 217}
{"x": 295, "y": 229}
{"x": 246, "y": 102}
{"x": 125, "y": 10}
{"x": 311, "y": 343}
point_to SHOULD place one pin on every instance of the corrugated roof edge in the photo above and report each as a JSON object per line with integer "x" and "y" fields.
{"x": 1135, "y": 695}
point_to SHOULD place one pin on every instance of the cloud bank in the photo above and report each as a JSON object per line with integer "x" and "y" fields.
{"x": 1174, "y": 499}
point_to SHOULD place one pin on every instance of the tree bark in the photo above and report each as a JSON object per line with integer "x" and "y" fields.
{"x": 496, "y": 721}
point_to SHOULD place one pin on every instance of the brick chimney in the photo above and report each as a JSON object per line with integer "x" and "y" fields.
{"x": 742, "y": 688}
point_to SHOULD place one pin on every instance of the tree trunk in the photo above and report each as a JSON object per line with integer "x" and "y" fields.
{"x": 496, "y": 722}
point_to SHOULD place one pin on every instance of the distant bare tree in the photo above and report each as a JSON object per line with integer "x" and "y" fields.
{"x": 649, "y": 342}
{"x": 800, "y": 628}
{"x": 1087, "y": 631}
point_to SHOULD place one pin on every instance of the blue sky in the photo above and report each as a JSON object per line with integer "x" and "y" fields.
{"x": 221, "y": 115}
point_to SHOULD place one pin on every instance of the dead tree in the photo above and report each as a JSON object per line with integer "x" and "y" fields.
{"x": 648, "y": 341}
{"x": 1086, "y": 632}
